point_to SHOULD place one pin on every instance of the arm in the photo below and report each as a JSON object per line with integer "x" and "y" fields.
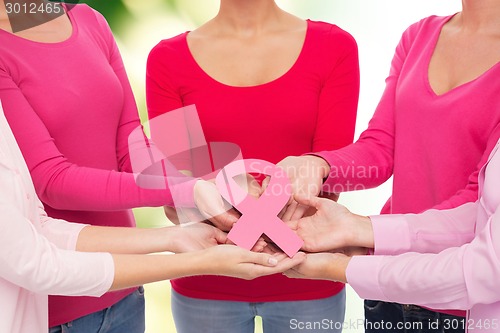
{"x": 60, "y": 183}
{"x": 371, "y": 156}
{"x": 31, "y": 261}
{"x": 333, "y": 227}
{"x": 374, "y": 150}
{"x": 430, "y": 232}
{"x": 337, "y": 107}
{"x": 457, "y": 278}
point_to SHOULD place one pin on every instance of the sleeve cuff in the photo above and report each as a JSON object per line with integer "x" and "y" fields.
{"x": 362, "y": 275}
{"x": 183, "y": 193}
{"x": 391, "y": 235}
{"x": 330, "y": 183}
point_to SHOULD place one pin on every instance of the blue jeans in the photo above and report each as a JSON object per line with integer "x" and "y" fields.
{"x": 126, "y": 316}
{"x": 396, "y": 318}
{"x": 193, "y": 315}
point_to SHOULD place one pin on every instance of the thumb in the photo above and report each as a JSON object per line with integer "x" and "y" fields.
{"x": 308, "y": 201}
{"x": 220, "y": 236}
{"x": 263, "y": 259}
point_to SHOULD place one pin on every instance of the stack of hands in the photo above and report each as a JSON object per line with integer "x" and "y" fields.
{"x": 331, "y": 233}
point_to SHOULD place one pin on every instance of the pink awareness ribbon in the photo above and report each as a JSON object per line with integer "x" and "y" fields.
{"x": 259, "y": 216}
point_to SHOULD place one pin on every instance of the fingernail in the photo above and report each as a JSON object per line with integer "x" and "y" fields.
{"x": 272, "y": 261}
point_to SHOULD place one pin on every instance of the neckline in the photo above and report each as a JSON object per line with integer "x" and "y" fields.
{"x": 286, "y": 73}
{"x": 74, "y": 32}
{"x": 429, "y": 58}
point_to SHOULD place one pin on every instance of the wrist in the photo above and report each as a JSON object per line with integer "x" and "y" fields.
{"x": 319, "y": 164}
{"x": 338, "y": 267}
{"x": 170, "y": 236}
{"x": 362, "y": 231}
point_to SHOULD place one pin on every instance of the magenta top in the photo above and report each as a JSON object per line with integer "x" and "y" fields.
{"x": 71, "y": 109}
{"x": 433, "y": 145}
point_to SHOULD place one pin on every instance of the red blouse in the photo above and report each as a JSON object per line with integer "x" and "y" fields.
{"x": 312, "y": 107}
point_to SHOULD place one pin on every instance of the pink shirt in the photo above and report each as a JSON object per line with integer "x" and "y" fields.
{"x": 443, "y": 259}
{"x": 71, "y": 109}
{"x": 34, "y": 256}
{"x": 434, "y": 145}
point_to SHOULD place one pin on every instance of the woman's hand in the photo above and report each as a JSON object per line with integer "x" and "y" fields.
{"x": 233, "y": 261}
{"x": 195, "y": 236}
{"x": 321, "y": 266}
{"x": 214, "y": 208}
{"x": 332, "y": 227}
{"x": 306, "y": 174}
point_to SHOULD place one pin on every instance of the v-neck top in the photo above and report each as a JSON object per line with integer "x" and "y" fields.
{"x": 434, "y": 145}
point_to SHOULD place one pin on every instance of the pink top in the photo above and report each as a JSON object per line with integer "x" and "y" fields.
{"x": 34, "y": 256}
{"x": 311, "y": 107}
{"x": 460, "y": 268}
{"x": 434, "y": 145}
{"x": 71, "y": 109}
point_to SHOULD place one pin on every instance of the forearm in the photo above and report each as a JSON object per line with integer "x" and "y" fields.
{"x": 126, "y": 240}
{"x": 134, "y": 270}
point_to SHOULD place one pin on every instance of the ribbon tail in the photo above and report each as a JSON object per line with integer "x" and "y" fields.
{"x": 244, "y": 234}
{"x": 284, "y": 237}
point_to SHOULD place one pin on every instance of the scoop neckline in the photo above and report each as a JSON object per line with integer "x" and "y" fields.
{"x": 270, "y": 82}
{"x": 430, "y": 54}
{"x": 74, "y": 32}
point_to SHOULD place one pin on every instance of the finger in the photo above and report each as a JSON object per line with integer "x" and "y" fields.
{"x": 299, "y": 212}
{"x": 293, "y": 274}
{"x": 289, "y": 211}
{"x": 309, "y": 201}
{"x": 220, "y": 236}
{"x": 292, "y": 224}
{"x": 288, "y": 263}
{"x": 265, "y": 182}
{"x": 224, "y": 221}
{"x": 271, "y": 249}
{"x": 259, "y": 246}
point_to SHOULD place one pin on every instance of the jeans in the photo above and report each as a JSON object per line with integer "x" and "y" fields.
{"x": 392, "y": 317}
{"x": 126, "y": 316}
{"x": 194, "y": 315}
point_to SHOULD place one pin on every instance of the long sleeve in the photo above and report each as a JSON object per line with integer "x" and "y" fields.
{"x": 338, "y": 99}
{"x": 29, "y": 260}
{"x": 429, "y": 232}
{"x": 61, "y": 183}
{"x": 457, "y": 278}
{"x": 28, "y": 257}
{"x": 374, "y": 150}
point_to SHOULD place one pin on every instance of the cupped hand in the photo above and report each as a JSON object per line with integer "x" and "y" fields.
{"x": 213, "y": 207}
{"x": 233, "y": 261}
{"x": 196, "y": 236}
